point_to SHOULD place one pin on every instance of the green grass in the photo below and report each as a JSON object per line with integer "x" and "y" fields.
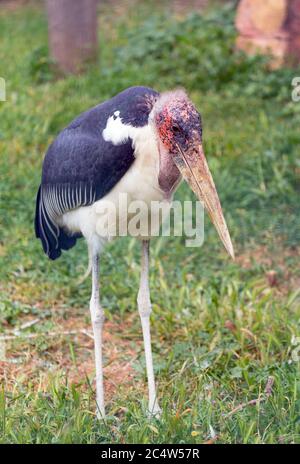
{"x": 220, "y": 329}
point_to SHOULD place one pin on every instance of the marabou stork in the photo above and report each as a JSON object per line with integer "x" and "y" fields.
{"x": 140, "y": 143}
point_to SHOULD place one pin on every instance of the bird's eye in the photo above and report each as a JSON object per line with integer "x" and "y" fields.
{"x": 175, "y": 129}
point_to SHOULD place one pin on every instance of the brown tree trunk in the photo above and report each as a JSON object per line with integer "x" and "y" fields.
{"x": 72, "y": 28}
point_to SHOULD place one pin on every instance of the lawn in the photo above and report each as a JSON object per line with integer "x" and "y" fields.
{"x": 225, "y": 334}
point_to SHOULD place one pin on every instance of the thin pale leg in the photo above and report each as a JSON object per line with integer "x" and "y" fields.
{"x": 97, "y": 317}
{"x": 144, "y": 305}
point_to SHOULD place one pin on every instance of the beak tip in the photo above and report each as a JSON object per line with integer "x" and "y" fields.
{"x": 228, "y": 245}
{"x": 230, "y": 250}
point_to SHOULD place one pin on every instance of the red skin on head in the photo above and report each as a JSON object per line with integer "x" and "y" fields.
{"x": 164, "y": 124}
{"x": 176, "y": 110}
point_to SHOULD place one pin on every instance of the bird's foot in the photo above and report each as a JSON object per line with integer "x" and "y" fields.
{"x": 154, "y": 410}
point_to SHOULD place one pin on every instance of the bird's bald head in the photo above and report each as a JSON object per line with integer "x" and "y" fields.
{"x": 176, "y": 120}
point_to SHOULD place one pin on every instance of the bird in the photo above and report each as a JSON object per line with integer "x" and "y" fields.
{"x": 141, "y": 143}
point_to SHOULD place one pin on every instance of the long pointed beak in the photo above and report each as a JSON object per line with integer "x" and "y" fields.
{"x": 194, "y": 169}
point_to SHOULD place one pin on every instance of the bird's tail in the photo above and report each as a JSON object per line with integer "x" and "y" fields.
{"x": 53, "y": 238}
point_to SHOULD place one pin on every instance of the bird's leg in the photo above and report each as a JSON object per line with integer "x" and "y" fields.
{"x": 144, "y": 305}
{"x": 97, "y": 317}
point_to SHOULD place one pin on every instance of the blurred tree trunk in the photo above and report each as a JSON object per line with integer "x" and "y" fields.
{"x": 72, "y": 26}
{"x": 270, "y": 27}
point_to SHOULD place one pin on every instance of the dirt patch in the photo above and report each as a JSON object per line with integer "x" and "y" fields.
{"x": 68, "y": 351}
